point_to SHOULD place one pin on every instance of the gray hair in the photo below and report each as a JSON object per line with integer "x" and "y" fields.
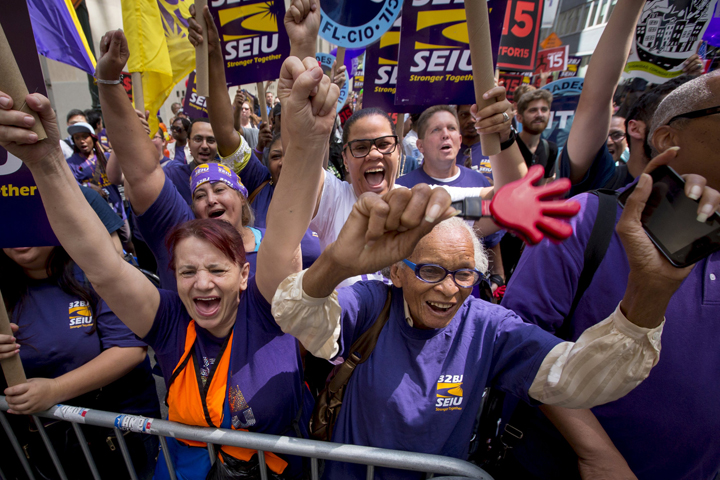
{"x": 451, "y": 224}
{"x": 693, "y": 95}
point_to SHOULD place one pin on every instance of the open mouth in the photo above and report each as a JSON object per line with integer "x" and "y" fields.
{"x": 439, "y": 307}
{"x": 216, "y": 213}
{"x": 207, "y": 306}
{"x": 375, "y": 176}
{"x": 446, "y": 148}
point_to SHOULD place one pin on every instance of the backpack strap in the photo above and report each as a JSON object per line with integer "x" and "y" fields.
{"x": 594, "y": 251}
{"x": 361, "y": 348}
{"x": 255, "y": 192}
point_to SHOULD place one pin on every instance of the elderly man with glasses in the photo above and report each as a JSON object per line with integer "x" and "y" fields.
{"x": 439, "y": 139}
{"x": 421, "y": 387}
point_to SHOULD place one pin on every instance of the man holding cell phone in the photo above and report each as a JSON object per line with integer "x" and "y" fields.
{"x": 667, "y": 428}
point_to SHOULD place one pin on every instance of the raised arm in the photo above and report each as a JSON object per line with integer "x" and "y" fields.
{"x": 135, "y": 152}
{"x": 126, "y": 291}
{"x": 592, "y": 118}
{"x": 308, "y": 100}
{"x": 219, "y": 107}
{"x": 302, "y": 23}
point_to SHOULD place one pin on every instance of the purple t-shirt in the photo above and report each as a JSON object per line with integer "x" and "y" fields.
{"x": 87, "y": 170}
{"x": 467, "y": 178}
{"x": 666, "y": 428}
{"x": 168, "y": 211}
{"x": 56, "y": 336}
{"x": 420, "y": 390}
{"x": 480, "y": 162}
{"x": 266, "y": 376}
{"x": 252, "y": 176}
{"x": 179, "y": 173}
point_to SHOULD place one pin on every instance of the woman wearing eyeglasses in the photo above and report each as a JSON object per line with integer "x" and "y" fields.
{"x": 421, "y": 387}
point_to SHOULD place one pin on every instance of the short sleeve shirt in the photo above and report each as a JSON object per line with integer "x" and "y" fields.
{"x": 420, "y": 390}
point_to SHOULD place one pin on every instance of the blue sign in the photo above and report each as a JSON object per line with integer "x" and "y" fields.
{"x": 357, "y": 23}
{"x": 326, "y": 62}
{"x": 562, "y": 114}
{"x": 565, "y": 86}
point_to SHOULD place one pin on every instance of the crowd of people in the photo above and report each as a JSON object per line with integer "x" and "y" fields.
{"x": 241, "y": 261}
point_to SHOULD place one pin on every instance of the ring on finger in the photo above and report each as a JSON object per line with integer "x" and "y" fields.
{"x": 506, "y": 117}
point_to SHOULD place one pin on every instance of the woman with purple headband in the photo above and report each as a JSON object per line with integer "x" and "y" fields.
{"x": 225, "y": 361}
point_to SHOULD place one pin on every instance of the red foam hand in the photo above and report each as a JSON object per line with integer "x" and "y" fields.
{"x": 533, "y": 212}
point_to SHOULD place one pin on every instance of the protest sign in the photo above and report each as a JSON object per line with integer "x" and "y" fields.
{"x": 126, "y": 82}
{"x": 326, "y": 62}
{"x": 511, "y": 81}
{"x": 573, "y": 65}
{"x": 351, "y": 60}
{"x": 358, "y": 82}
{"x": 253, "y": 39}
{"x": 357, "y": 23}
{"x": 669, "y": 31}
{"x": 552, "y": 59}
{"x": 566, "y": 94}
{"x": 194, "y": 105}
{"x": 519, "y": 41}
{"x": 21, "y": 210}
{"x": 435, "y": 65}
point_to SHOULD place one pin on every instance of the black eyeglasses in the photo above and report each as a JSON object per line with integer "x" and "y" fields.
{"x": 616, "y": 136}
{"x": 431, "y": 273}
{"x": 362, "y": 147}
{"x": 696, "y": 114}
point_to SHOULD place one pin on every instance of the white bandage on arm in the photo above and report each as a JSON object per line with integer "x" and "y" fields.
{"x": 607, "y": 361}
{"x": 313, "y": 321}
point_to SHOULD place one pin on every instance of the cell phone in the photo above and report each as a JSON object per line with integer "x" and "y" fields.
{"x": 670, "y": 220}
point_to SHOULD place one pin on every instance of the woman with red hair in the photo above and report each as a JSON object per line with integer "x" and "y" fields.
{"x": 226, "y": 362}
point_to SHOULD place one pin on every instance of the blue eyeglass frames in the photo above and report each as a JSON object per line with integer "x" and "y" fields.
{"x": 431, "y": 273}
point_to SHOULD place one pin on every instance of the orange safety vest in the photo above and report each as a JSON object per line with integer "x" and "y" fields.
{"x": 193, "y": 404}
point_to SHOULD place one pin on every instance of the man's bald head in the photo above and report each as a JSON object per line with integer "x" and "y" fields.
{"x": 701, "y": 92}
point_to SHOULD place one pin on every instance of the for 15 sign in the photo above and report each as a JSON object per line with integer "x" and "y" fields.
{"x": 552, "y": 59}
{"x": 519, "y": 41}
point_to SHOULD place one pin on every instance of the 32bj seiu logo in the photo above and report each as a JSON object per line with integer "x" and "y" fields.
{"x": 449, "y": 393}
{"x": 446, "y": 46}
{"x": 249, "y": 30}
{"x": 388, "y": 59}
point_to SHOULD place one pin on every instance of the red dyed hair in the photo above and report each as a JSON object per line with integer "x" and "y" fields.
{"x": 217, "y": 233}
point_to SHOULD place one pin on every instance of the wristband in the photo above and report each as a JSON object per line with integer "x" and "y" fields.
{"x": 496, "y": 279}
{"x": 508, "y": 143}
{"x": 108, "y": 82}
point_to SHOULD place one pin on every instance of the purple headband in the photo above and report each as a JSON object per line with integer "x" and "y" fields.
{"x": 216, "y": 172}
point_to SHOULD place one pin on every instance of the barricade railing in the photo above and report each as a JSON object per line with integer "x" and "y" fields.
{"x": 314, "y": 450}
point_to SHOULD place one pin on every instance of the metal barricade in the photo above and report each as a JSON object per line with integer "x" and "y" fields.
{"x": 312, "y": 449}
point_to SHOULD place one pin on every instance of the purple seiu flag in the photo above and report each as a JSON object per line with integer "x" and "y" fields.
{"x": 194, "y": 106}
{"x": 435, "y": 66}
{"x": 253, "y": 39}
{"x": 381, "y": 66}
{"x": 22, "y": 214}
{"x": 58, "y": 34}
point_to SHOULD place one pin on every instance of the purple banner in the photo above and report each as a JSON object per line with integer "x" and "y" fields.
{"x": 194, "y": 106}
{"x": 435, "y": 66}
{"x": 253, "y": 37}
{"x": 381, "y": 67}
{"x": 22, "y": 214}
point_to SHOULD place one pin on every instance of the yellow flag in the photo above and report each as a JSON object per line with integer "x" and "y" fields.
{"x": 156, "y": 31}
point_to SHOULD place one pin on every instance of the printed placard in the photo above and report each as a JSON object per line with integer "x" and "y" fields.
{"x": 552, "y": 59}
{"x": 521, "y": 28}
{"x": 434, "y": 62}
{"x": 326, "y": 62}
{"x": 511, "y": 81}
{"x": 21, "y": 210}
{"x": 358, "y": 83}
{"x": 669, "y": 31}
{"x": 357, "y": 23}
{"x": 253, "y": 39}
{"x": 194, "y": 105}
{"x": 572, "y": 67}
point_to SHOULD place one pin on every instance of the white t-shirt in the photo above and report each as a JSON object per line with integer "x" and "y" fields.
{"x": 336, "y": 203}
